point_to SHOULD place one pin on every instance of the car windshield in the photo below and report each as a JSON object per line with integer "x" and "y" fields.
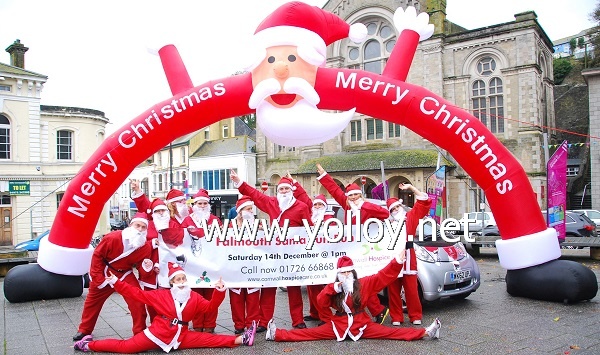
{"x": 427, "y": 236}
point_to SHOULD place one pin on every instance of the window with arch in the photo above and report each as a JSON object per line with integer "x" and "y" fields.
{"x": 4, "y": 137}
{"x": 64, "y": 145}
{"x": 487, "y": 99}
{"x": 372, "y": 54}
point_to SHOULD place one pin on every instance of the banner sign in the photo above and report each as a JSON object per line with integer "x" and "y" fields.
{"x": 435, "y": 189}
{"x": 301, "y": 258}
{"x": 557, "y": 190}
{"x": 18, "y": 188}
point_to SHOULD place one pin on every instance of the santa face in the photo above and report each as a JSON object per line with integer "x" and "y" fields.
{"x": 180, "y": 289}
{"x": 161, "y": 219}
{"x": 318, "y": 211}
{"x": 397, "y": 213}
{"x": 201, "y": 209}
{"x": 286, "y": 101}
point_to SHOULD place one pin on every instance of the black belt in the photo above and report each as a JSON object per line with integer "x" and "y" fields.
{"x": 111, "y": 267}
{"x": 409, "y": 245}
{"x": 339, "y": 314}
{"x": 176, "y": 321}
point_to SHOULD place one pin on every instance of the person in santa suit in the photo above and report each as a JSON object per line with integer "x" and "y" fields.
{"x": 352, "y": 200}
{"x": 245, "y": 302}
{"x": 118, "y": 252}
{"x": 176, "y": 307}
{"x": 201, "y": 213}
{"x": 408, "y": 223}
{"x": 280, "y": 208}
{"x": 348, "y": 296}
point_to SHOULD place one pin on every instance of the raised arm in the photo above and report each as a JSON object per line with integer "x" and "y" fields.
{"x": 139, "y": 198}
{"x": 386, "y": 275}
{"x": 334, "y": 190}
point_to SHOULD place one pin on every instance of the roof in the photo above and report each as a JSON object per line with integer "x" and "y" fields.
{"x": 399, "y": 159}
{"x": 9, "y": 69}
{"x": 240, "y": 144}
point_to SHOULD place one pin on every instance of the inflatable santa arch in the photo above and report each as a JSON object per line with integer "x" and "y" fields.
{"x": 288, "y": 87}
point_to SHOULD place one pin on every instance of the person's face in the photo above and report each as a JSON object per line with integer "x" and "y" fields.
{"x": 346, "y": 273}
{"x": 318, "y": 205}
{"x": 395, "y": 209}
{"x": 139, "y": 226}
{"x": 162, "y": 212}
{"x": 201, "y": 204}
{"x": 281, "y": 63}
{"x": 178, "y": 279}
{"x": 283, "y": 189}
{"x": 354, "y": 197}
{"x": 247, "y": 209}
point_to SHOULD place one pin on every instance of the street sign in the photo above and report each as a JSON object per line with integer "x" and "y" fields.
{"x": 264, "y": 186}
{"x": 18, "y": 187}
{"x": 363, "y": 180}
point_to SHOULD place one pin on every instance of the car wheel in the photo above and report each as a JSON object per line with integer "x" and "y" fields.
{"x": 462, "y": 296}
{"x": 473, "y": 249}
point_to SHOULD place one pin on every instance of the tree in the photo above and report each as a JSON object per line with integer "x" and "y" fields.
{"x": 250, "y": 120}
{"x": 572, "y": 45}
{"x": 594, "y": 35}
{"x": 562, "y": 67}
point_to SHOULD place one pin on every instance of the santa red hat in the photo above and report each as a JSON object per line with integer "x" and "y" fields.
{"x": 286, "y": 181}
{"x": 157, "y": 204}
{"x": 309, "y": 28}
{"x": 139, "y": 217}
{"x": 175, "y": 195}
{"x": 353, "y": 189}
{"x": 175, "y": 269}
{"x": 320, "y": 198}
{"x": 345, "y": 264}
{"x": 201, "y": 195}
{"x": 393, "y": 202}
{"x": 243, "y": 202}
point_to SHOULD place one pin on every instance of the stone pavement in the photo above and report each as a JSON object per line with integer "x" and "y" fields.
{"x": 489, "y": 321}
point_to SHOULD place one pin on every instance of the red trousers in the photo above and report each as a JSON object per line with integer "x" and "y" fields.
{"x": 140, "y": 342}
{"x": 313, "y": 292}
{"x": 374, "y": 305}
{"x": 411, "y": 293}
{"x": 207, "y": 319}
{"x": 296, "y": 304}
{"x": 244, "y": 308}
{"x": 267, "y": 305}
{"x": 372, "y": 331}
{"x": 95, "y": 300}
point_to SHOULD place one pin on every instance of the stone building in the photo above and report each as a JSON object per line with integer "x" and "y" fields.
{"x": 41, "y": 149}
{"x": 502, "y": 74}
{"x": 592, "y": 77}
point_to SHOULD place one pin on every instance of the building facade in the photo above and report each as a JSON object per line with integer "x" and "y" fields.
{"x": 502, "y": 74}
{"x": 592, "y": 77}
{"x": 41, "y": 149}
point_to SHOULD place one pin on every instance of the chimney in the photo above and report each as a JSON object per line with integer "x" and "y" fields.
{"x": 17, "y": 54}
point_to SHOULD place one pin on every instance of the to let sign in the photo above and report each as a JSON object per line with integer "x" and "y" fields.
{"x": 18, "y": 187}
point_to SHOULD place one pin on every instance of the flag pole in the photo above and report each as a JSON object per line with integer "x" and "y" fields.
{"x": 386, "y": 193}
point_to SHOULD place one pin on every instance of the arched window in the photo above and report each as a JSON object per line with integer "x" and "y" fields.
{"x": 64, "y": 145}
{"x": 487, "y": 99}
{"x": 372, "y": 54}
{"x": 4, "y": 137}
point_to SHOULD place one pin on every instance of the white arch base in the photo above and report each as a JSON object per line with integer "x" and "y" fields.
{"x": 64, "y": 261}
{"x": 528, "y": 250}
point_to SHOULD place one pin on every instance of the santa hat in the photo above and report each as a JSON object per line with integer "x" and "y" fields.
{"x": 309, "y": 28}
{"x": 175, "y": 195}
{"x": 393, "y": 202}
{"x": 175, "y": 269}
{"x": 201, "y": 195}
{"x": 320, "y": 198}
{"x": 286, "y": 181}
{"x": 353, "y": 189}
{"x": 243, "y": 202}
{"x": 157, "y": 204}
{"x": 345, "y": 264}
{"x": 139, "y": 217}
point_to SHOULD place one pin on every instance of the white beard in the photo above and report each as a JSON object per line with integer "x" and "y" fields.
{"x": 181, "y": 295}
{"x": 300, "y": 125}
{"x": 136, "y": 239}
{"x": 284, "y": 200}
{"x": 399, "y": 215}
{"x": 201, "y": 212}
{"x": 249, "y": 216}
{"x": 317, "y": 214}
{"x": 161, "y": 222}
{"x": 183, "y": 211}
{"x": 347, "y": 282}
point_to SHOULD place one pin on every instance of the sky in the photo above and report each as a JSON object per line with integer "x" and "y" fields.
{"x": 98, "y": 54}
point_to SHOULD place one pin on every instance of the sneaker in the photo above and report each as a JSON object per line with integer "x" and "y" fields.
{"x": 238, "y": 331}
{"x": 310, "y": 318}
{"x": 301, "y": 326}
{"x": 261, "y": 329}
{"x": 271, "y": 329}
{"x": 248, "y": 336}
{"x": 82, "y": 345}
{"x": 382, "y": 316}
{"x": 434, "y": 329}
{"x": 417, "y": 322}
{"x": 396, "y": 324}
{"x": 79, "y": 336}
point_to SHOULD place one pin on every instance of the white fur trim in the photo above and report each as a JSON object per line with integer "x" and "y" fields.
{"x": 247, "y": 203}
{"x": 175, "y": 199}
{"x": 319, "y": 200}
{"x": 345, "y": 268}
{"x": 321, "y": 176}
{"x": 353, "y": 192}
{"x": 64, "y": 261}
{"x": 143, "y": 220}
{"x": 160, "y": 207}
{"x": 178, "y": 272}
{"x": 422, "y": 196}
{"x": 201, "y": 198}
{"x": 358, "y": 32}
{"x": 286, "y": 185}
{"x": 136, "y": 195}
{"x": 399, "y": 202}
{"x": 529, "y": 250}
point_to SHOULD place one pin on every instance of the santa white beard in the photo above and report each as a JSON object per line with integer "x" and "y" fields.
{"x": 182, "y": 210}
{"x": 202, "y": 213}
{"x": 284, "y": 200}
{"x": 347, "y": 282}
{"x": 300, "y": 125}
{"x": 161, "y": 221}
{"x": 399, "y": 215}
{"x": 181, "y": 292}
{"x": 317, "y": 214}
{"x": 248, "y": 216}
{"x": 135, "y": 237}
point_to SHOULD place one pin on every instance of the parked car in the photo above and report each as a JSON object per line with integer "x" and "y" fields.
{"x": 594, "y": 215}
{"x": 481, "y": 220}
{"x": 117, "y": 224}
{"x": 33, "y": 244}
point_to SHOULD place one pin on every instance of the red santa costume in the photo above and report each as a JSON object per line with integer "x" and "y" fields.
{"x": 118, "y": 252}
{"x": 168, "y": 330}
{"x": 295, "y": 212}
{"x": 366, "y": 210}
{"x": 408, "y": 278}
{"x": 204, "y": 321}
{"x": 245, "y": 302}
{"x": 350, "y": 319}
